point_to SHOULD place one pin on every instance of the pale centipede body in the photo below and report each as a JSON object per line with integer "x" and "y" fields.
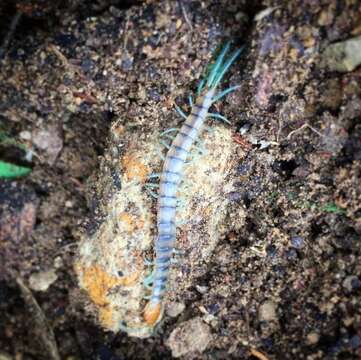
{"x": 169, "y": 181}
{"x": 171, "y": 176}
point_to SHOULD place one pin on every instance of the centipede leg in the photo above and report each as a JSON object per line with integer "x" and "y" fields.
{"x": 180, "y": 112}
{"x": 219, "y": 117}
{"x": 168, "y": 131}
{"x": 167, "y": 146}
{"x": 148, "y": 281}
{"x": 149, "y": 187}
{"x": 190, "y": 100}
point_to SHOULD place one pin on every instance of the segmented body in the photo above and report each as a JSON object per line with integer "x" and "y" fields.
{"x": 170, "y": 179}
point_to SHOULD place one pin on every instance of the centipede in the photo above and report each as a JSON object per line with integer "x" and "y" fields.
{"x": 171, "y": 175}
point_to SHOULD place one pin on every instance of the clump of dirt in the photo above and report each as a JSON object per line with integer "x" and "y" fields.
{"x": 286, "y": 283}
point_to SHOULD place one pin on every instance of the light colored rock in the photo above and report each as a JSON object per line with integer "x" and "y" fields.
{"x": 267, "y": 311}
{"x": 42, "y": 280}
{"x": 174, "y": 308}
{"x": 4, "y": 356}
{"x": 190, "y": 338}
{"x": 343, "y": 56}
{"x": 312, "y": 338}
{"x": 25, "y": 135}
{"x": 50, "y": 141}
{"x": 111, "y": 266}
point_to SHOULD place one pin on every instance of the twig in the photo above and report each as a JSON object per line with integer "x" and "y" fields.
{"x": 258, "y": 354}
{"x": 41, "y": 323}
{"x": 9, "y": 35}
{"x": 125, "y": 39}
{"x": 304, "y": 126}
{"x": 184, "y": 12}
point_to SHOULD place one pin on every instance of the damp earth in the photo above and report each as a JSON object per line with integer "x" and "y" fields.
{"x": 269, "y": 231}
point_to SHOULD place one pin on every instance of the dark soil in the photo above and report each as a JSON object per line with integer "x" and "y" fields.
{"x": 289, "y": 283}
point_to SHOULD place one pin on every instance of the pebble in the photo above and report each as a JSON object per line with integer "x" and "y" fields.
{"x": 190, "y": 337}
{"x": 50, "y": 141}
{"x": 351, "y": 283}
{"x": 4, "y": 356}
{"x": 41, "y": 281}
{"x": 267, "y": 311}
{"x": 297, "y": 242}
{"x": 312, "y": 338}
{"x": 173, "y": 308}
{"x": 355, "y": 342}
{"x": 343, "y": 56}
{"x": 25, "y": 135}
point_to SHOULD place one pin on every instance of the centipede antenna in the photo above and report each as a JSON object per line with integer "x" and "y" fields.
{"x": 226, "y": 66}
{"x": 219, "y": 117}
{"x": 217, "y": 65}
{"x": 168, "y": 131}
{"x": 180, "y": 111}
{"x": 225, "y": 92}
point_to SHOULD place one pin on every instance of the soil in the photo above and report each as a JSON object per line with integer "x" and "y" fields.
{"x": 284, "y": 285}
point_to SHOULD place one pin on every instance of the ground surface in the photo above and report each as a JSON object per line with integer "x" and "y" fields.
{"x": 287, "y": 283}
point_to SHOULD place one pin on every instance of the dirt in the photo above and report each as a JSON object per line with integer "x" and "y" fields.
{"x": 286, "y": 284}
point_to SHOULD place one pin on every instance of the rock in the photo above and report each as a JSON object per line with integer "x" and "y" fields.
{"x": 18, "y": 209}
{"x": 4, "y": 356}
{"x": 297, "y": 241}
{"x": 312, "y": 338}
{"x": 42, "y": 280}
{"x": 174, "y": 308}
{"x": 351, "y": 283}
{"x": 50, "y": 141}
{"x": 189, "y": 338}
{"x": 111, "y": 258}
{"x": 25, "y": 135}
{"x": 343, "y": 56}
{"x": 267, "y": 311}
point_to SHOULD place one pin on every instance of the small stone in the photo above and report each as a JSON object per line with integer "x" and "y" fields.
{"x": 173, "y": 308}
{"x": 267, "y": 311}
{"x": 50, "y": 141}
{"x": 190, "y": 338}
{"x": 25, "y": 135}
{"x": 202, "y": 289}
{"x": 343, "y": 56}
{"x": 351, "y": 283}
{"x": 312, "y": 338}
{"x": 355, "y": 342}
{"x": 42, "y": 280}
{"x": 4, "y": 356}
{"x": 297, "y": 242}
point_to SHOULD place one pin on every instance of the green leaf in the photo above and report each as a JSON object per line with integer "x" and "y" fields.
{"x": 9, "y": 171}
{"x": 333, "y": 208}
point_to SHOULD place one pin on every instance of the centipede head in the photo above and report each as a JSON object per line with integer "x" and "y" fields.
{"x": 152, "y": 313}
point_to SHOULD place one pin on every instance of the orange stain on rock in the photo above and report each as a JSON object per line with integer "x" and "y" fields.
{"x": 98, "y": 283}
{"x": 134, "y": 168}
{"x": 152, "y": 313}
{"x": 131, "y": 222}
